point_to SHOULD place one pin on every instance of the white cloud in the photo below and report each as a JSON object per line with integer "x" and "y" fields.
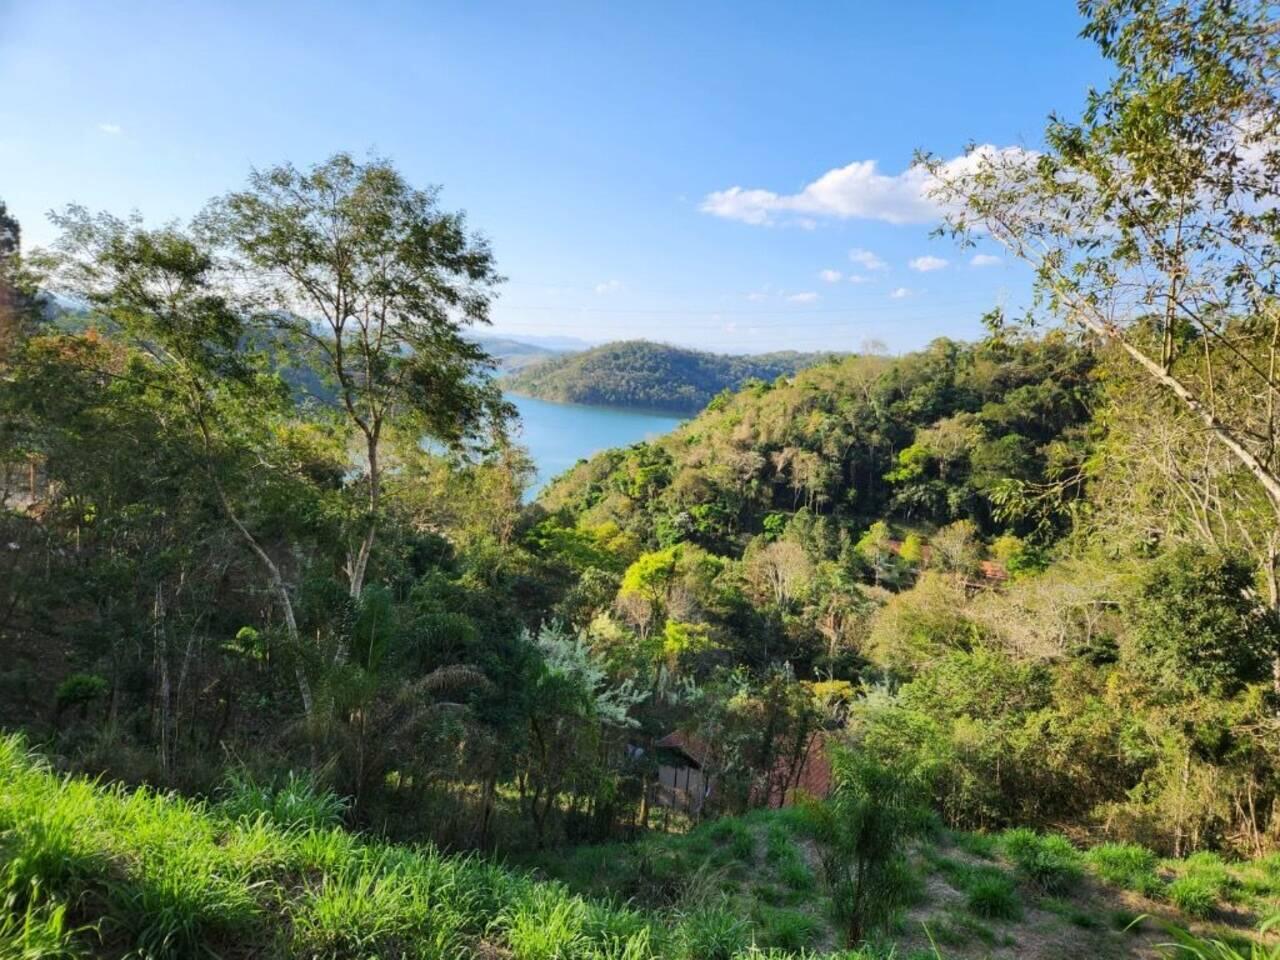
{"x": 985, "y": 260}
{"x": 858, "y": 278}
{"x": 867, "y": 259}
{"x": 830, "y": 276}
{"x": 112, "y": 129}
{"x": 807, "y": 297}
{"x": 901, "y": 293}
{"x": 609, "y": 286}
{"x": 757, "y": 296}
{"x": 856, "y": 191}
{"x": 926, "y": 263}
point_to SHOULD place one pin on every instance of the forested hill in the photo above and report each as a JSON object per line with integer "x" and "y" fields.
{"x": 637, "y": 373}
{"x": 949, "y": 433}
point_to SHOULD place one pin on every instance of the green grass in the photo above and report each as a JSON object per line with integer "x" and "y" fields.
{"x": 94, "y": 870}
{"x": 1125, "y": 865}
{"x": 993, "y": 896}
{"x": 1047, "y": 861}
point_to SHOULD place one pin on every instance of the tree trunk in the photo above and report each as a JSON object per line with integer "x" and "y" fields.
{"x": 281, "y": 590}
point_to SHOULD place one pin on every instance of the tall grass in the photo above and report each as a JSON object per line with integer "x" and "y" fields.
{"x": 93, "y": 870}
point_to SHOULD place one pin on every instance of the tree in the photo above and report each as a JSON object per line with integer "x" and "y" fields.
{"x": 1197, "y": 625}
{"x": 351, "y": 259}
{"x": 15, "y": 299}
{"x": 1152, "y": 222}
{"x": 159, "y": 291}
{"x": 864, "y": 828}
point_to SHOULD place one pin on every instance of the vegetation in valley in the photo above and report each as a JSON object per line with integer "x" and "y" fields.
{"x": 651, "y": 376}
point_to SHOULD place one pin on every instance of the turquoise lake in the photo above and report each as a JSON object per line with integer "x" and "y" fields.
{"x": 558, "y": 435}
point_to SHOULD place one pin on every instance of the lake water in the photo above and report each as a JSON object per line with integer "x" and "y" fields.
{"x": 558, "y": 435}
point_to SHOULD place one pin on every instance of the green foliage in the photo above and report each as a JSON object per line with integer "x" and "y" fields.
{"x": 1048, "y": 861}
{"x": 80, "y": 689}
{"x": 1194, "y": 895}
{"x": 992, "y": 895}
{"x": 1186, "y": 944}
{"x": 296, "y": 802}
{"x": 654, "y": 376}
{"x": 711, "y": 934}
{"x": 31, "y": 929}
{"x": 863, "y": 828}
{"x": 1126, "y": 865}
{"x": 1196, "y": 625}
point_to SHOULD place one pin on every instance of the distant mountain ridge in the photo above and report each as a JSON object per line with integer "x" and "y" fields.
{"x": 514, "y": 355}
{"x": 654, "y": 376}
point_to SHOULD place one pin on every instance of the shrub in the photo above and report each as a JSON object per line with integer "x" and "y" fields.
{"x": 79, "y": 690}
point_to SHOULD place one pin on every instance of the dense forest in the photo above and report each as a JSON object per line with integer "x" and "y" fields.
{"x": 651, "y": 376}
{"x": 282, "y": 639}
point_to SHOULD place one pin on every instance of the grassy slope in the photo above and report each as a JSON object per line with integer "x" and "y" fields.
{"x": 637, "y": 373}
{"x": 1014, "y": 895}
{"x": 101, "y": 871}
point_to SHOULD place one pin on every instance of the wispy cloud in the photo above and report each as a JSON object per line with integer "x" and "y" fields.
{"x": 608, "y": 286}
{"x": 830, "y": 276}
{"x": 111, "y": 129}
{"x": 858, "y": 191}
{"x": 985, "y": 260}
{"x": 927, "y": 263}
{"x": 901, "y": 293}
{"x": 866, "y": 259}
{"x": 757, "y": 296}
{"x": 858, "y": 278}
{"x": 808, "y": 296}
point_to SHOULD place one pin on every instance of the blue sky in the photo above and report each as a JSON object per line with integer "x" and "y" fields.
{"x": 597, "y": 145}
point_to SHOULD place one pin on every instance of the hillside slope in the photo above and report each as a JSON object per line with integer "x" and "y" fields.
{"x": 100, "y": 871}
{"x": 637, "y": 373}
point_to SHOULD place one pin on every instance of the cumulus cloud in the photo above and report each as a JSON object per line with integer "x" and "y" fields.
{"x": 867, "y": 260}
{"x": 901, "y": 293}
{"x": 830, "y": 276}
{"x": 858, "y": 191}
{"x": 807, "y": 296}
{"x": 608, "y": 286}
{"x": 926, "y": 263}
{"x": 111, "y": 129}
{"x": 985, "y": 260}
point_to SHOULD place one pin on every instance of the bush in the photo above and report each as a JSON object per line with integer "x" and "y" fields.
{"x": 1049, "y": 862}
{"x": 1125, "y": 865}
{"x": 79, "y": 690}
